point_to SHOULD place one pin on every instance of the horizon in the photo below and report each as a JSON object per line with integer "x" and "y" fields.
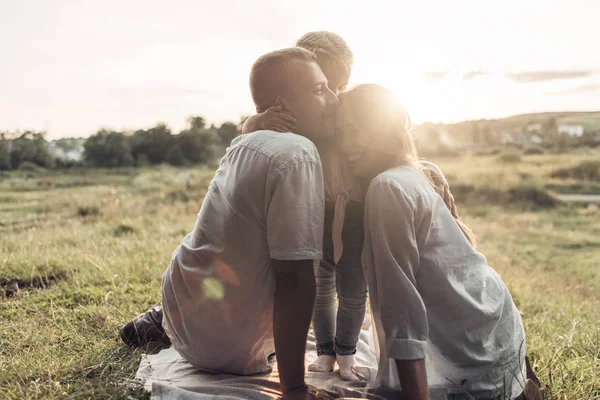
{"x": 209, "y": 123}
{"x": 73, "y": 69}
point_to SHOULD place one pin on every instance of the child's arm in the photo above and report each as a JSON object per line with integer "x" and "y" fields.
{"x": 273, "y": 119}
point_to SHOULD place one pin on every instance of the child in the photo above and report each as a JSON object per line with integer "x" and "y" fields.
{"x": 340, "y": 271}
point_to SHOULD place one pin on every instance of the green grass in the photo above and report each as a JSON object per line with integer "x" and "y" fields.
{"x": 60, "y": 338}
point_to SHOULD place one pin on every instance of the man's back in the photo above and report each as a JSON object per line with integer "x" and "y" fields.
{"x": 265, "y": 202}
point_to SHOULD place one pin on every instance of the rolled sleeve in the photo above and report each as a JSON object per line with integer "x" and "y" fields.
{"x": 391, "y": 220}
{"x": 405, "y": 349}
{"x": 296, "y": 213}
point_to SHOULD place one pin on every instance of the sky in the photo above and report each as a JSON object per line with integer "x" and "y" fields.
{"x": 73, "y": 67}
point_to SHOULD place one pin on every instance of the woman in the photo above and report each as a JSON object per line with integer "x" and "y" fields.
{"x": 437, "y": 306}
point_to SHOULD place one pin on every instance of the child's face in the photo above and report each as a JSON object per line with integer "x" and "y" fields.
{"x": 337, "y": 77}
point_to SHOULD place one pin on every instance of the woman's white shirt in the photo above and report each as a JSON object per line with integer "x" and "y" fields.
{"x": 433, "y": 295}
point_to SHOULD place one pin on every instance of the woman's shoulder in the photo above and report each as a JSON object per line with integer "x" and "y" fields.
{"x": 399, "y": 182}
{"x": 403, "y": 177}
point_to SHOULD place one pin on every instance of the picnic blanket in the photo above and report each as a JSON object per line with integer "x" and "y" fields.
{"x": 168, "y": 376}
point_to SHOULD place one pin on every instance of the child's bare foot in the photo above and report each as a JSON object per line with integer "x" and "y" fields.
{"x": 323, "y": 363}
{"x": 346, "y": 363}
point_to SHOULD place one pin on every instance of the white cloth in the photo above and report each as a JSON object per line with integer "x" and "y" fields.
{"x": 169, "y": 376}
{"x": 265, "y": 202}
{"x": 433, "y": 295}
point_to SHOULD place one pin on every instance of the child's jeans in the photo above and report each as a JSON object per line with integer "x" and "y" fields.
{"x": 339, "y": 334}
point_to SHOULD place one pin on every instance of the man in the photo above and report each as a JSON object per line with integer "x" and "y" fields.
{"x": 241, "y": 285}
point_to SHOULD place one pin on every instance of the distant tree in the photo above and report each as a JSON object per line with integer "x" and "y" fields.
{"x": 67, "y": 152}
{"x": 175, "y": 156}
{"x": 197, "y": 143}
{"x": 197, "y": 123}
{"x": 31, "y": 147}
{"x": 108, "y": 149}
{"x": 151, "y": 145}
{"x": 4, "y": 153}
{"x": 226, "y": 132}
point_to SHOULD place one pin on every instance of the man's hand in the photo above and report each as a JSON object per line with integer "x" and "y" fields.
{"x": 413, "y": 379}
{"x": 273, "y": 119}
{"x": 295, "y": 291}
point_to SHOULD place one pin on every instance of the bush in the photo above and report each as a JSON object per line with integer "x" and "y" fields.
{"x": 489, "y": 151}
{"x": 533, "y": 150}
{"x": 587, "y": 170}
{"x": 469, "y": 194}
{"x": 123, "y": 229}
{"x": 510, "y": 158}
{"x": 29, "y": 166}
{"x": 532, "y": 195}
{"x": 87, "y": 211}
{"x": 175, "y": 156}
{"x": 526, "y": 196}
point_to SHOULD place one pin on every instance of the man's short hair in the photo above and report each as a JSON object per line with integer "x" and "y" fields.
{"x": 269, "y": 77}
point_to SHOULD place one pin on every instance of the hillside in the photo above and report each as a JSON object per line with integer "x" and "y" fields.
{"x": 542, "y": 124}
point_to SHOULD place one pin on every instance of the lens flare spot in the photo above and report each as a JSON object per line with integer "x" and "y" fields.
{"x": 213, "y": 289}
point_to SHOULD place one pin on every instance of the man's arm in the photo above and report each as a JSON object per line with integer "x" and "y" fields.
{"x": 413, "y": 379}
{"x": 294, "y": 300}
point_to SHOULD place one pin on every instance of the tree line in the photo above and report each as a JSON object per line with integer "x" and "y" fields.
{"x": 196, "y": 144}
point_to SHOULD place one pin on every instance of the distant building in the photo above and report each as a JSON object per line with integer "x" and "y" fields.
{"x": 571, "y": 130}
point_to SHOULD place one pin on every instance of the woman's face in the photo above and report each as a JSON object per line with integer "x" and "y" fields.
{"x": 366, "y": 152}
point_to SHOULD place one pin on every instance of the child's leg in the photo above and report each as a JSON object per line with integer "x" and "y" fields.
{"x": 323, "y": 321}
{"x": 352, "y": 291}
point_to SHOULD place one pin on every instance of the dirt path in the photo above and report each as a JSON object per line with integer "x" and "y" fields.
{"x": 588, "y": 198}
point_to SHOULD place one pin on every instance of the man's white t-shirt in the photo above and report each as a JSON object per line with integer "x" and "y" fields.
{"x": 265, "y": 202}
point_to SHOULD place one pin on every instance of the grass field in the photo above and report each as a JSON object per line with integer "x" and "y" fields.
{"x": 88, "y": 249}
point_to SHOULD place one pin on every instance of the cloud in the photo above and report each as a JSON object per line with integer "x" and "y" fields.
{"x": 473, "y": 74}
{"x": 435, "y": 76}
{"x": 588, "y": 88}
{"x": 541, "y": 76}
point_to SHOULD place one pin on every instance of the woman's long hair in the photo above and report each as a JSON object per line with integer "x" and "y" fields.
{"x": 379, "y": 113}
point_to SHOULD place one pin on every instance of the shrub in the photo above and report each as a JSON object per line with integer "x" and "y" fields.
{"x": 587, "y": 170}
{"x": 123, "y": 229}
{"x": 533, "y": 150}
{"x": 532, "y": 195}
{"x": 469, "y": 194}
{"x": 523, "y": 195}
{"x": 510, "y": 158}
{"x": 29, "y": 166}
{"x": 87, "y": 211}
